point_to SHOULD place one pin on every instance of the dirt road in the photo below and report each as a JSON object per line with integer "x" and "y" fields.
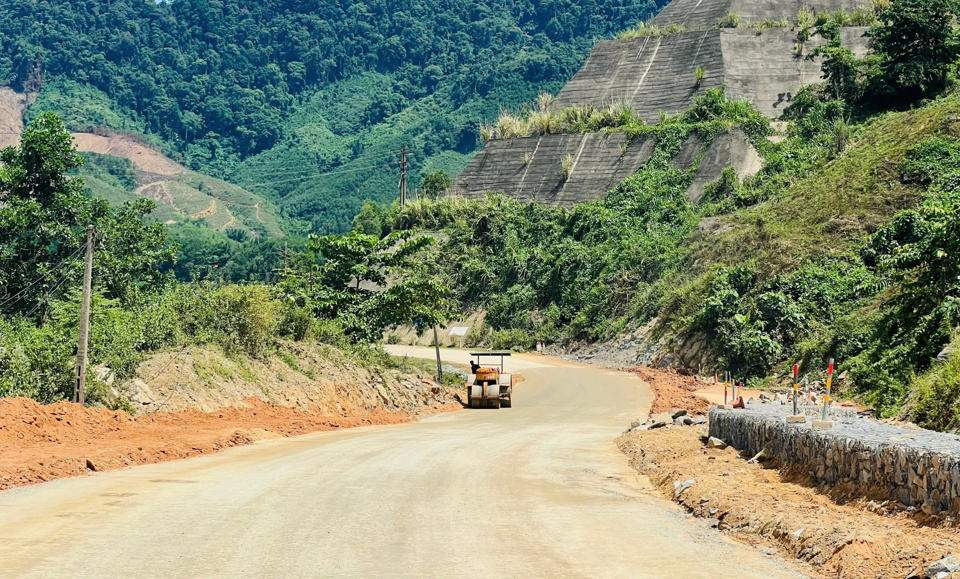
{"x": 536, "y": 490}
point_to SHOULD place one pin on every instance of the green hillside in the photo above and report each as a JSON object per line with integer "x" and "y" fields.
{"x": 304, "y": 102}
{"x": 845, "y": 246}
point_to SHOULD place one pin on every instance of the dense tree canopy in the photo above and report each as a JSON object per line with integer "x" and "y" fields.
{"x": 218, "y": 80}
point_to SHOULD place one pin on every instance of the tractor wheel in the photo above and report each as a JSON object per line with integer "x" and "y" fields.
{"x": 494, "y": 403}
{"x": 474, "y": 403}
{"x": 507, "y": 402}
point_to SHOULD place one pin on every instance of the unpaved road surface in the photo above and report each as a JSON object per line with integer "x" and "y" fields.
{"x": 533, "y": 491}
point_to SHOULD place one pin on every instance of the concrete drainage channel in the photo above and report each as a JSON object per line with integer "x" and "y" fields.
{"x": 918, "y": 468}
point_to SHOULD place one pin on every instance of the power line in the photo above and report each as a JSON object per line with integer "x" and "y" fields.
{"x": 14, "y": 298}
{"x": 307, "y": 178}
{"x": 373, "y": 160}
{"x": 59, "y": 283}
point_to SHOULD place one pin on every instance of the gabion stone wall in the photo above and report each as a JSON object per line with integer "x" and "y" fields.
{"x": 919, "y": 468}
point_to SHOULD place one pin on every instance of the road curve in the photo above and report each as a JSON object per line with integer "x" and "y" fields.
{"x": 533, "y": 491}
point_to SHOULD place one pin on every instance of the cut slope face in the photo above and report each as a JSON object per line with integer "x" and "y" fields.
{"x": 138, "y": 152}
{"x": 703, "y": 14}
{"x": 12, "y": 107}
{"x": 659, "y": 74}
{"x": 532, "y": 168}
{"x": 656, "y": 74}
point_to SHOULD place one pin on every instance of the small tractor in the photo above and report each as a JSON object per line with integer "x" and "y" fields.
{"x": 489, "y": 386}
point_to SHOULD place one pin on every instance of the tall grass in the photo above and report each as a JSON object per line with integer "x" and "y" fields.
{"x": 541, "y": 120}
{"x": 645, "y": 29}
{"x": 729, "y": 20}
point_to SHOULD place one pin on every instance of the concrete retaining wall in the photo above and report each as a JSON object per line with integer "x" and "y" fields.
{"x": 656, "y": 73}
{"x": 703, "y": 14}
{"x": 529, "y": 169}
{"x": 916, "y": 467}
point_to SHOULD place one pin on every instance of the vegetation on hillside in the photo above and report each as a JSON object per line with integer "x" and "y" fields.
{"x": 138, "y": 307}
{"x": 306, "y": 102}
{"x": 844, "y": 246}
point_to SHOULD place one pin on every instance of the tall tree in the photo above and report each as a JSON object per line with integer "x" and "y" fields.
{"x": 918, "y": 44}
{"x": 44, "y": 214}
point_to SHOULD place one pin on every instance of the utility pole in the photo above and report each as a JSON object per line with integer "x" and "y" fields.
{"x": 436, "y": 343}
{"x": 403, "y": 176}
{"x": 85, "y": 320}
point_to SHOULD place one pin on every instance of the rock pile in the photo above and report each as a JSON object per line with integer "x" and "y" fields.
{"x": 676, "y": 417}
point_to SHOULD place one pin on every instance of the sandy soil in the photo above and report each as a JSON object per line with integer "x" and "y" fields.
{"x": 142, "y": 156}
{"x": 12, "y": 105}
{"x": 44, "y": 442}
{"x": 763, "y": 506}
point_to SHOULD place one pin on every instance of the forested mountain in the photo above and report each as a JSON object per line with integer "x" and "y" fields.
{"x": 272, "y": 94}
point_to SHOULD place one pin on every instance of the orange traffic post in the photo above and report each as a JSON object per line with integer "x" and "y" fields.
{"x": 796, "y": 386}
{"x": 826, "y": 396}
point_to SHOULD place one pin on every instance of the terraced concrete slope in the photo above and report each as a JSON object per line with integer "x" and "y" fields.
{"x": 531, "y": 169}
{"x": 703, "y": 14}
{"x": 655, "y": 75}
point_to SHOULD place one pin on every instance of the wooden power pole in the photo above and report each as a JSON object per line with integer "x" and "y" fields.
{"x": 436, "y": 344}
{"x": 84, "y": 320}
{"x": 403, "y": 176}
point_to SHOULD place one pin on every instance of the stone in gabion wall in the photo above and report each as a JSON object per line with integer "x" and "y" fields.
{"x": 916, "y": 467}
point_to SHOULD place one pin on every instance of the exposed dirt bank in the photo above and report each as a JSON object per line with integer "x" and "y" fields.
{"x": 197, "y": 400}
{"x": 311, "y": 378}
{"x": 44, "y": 442}
{"x": 761, "y": 505}
{"x": 673, "y": 390}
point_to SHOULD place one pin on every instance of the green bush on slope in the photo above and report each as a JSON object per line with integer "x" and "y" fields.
{"x": 804, "y": 270}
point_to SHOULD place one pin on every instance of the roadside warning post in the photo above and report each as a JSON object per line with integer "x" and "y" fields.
{"x": 725, "y": 375}
{"x": 826, "y": 394}
{"x": 796, "y": 387}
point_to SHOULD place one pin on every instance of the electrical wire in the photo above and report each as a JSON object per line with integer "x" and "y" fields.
{"x": 307, "y": 178}
{"x": 56, "y": 286}
{"x": 16, "y": 297}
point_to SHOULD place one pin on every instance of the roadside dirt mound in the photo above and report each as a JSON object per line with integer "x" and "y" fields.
{"x": 758, "y": 505}
{"x": 311, "y": 378}
{"x": 45, "y": 442}
{"x": 39, "y": 443}
{"x": 129, "y": 147}
{"x": 673, "y": 390}
{"x": 197, "y": 400}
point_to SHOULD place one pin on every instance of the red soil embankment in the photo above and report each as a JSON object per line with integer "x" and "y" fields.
{"x": 44, "y": 442}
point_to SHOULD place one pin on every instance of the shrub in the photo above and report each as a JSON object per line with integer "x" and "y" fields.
{"x": 35, "y": 362}
{"x": 509, "y": 126}
{"x": 514, "y": 339}
{"x": 644, "y": 29}
{"x": 805, "y": 23}
{"x": 935, "y": 397}
{"x": 237, "y": 318}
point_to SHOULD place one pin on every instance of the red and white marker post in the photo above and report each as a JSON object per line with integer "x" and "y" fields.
{"x": 796, "y": 386}
{"x": 826, "y": 396}
{"x": 725, "y": 375}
